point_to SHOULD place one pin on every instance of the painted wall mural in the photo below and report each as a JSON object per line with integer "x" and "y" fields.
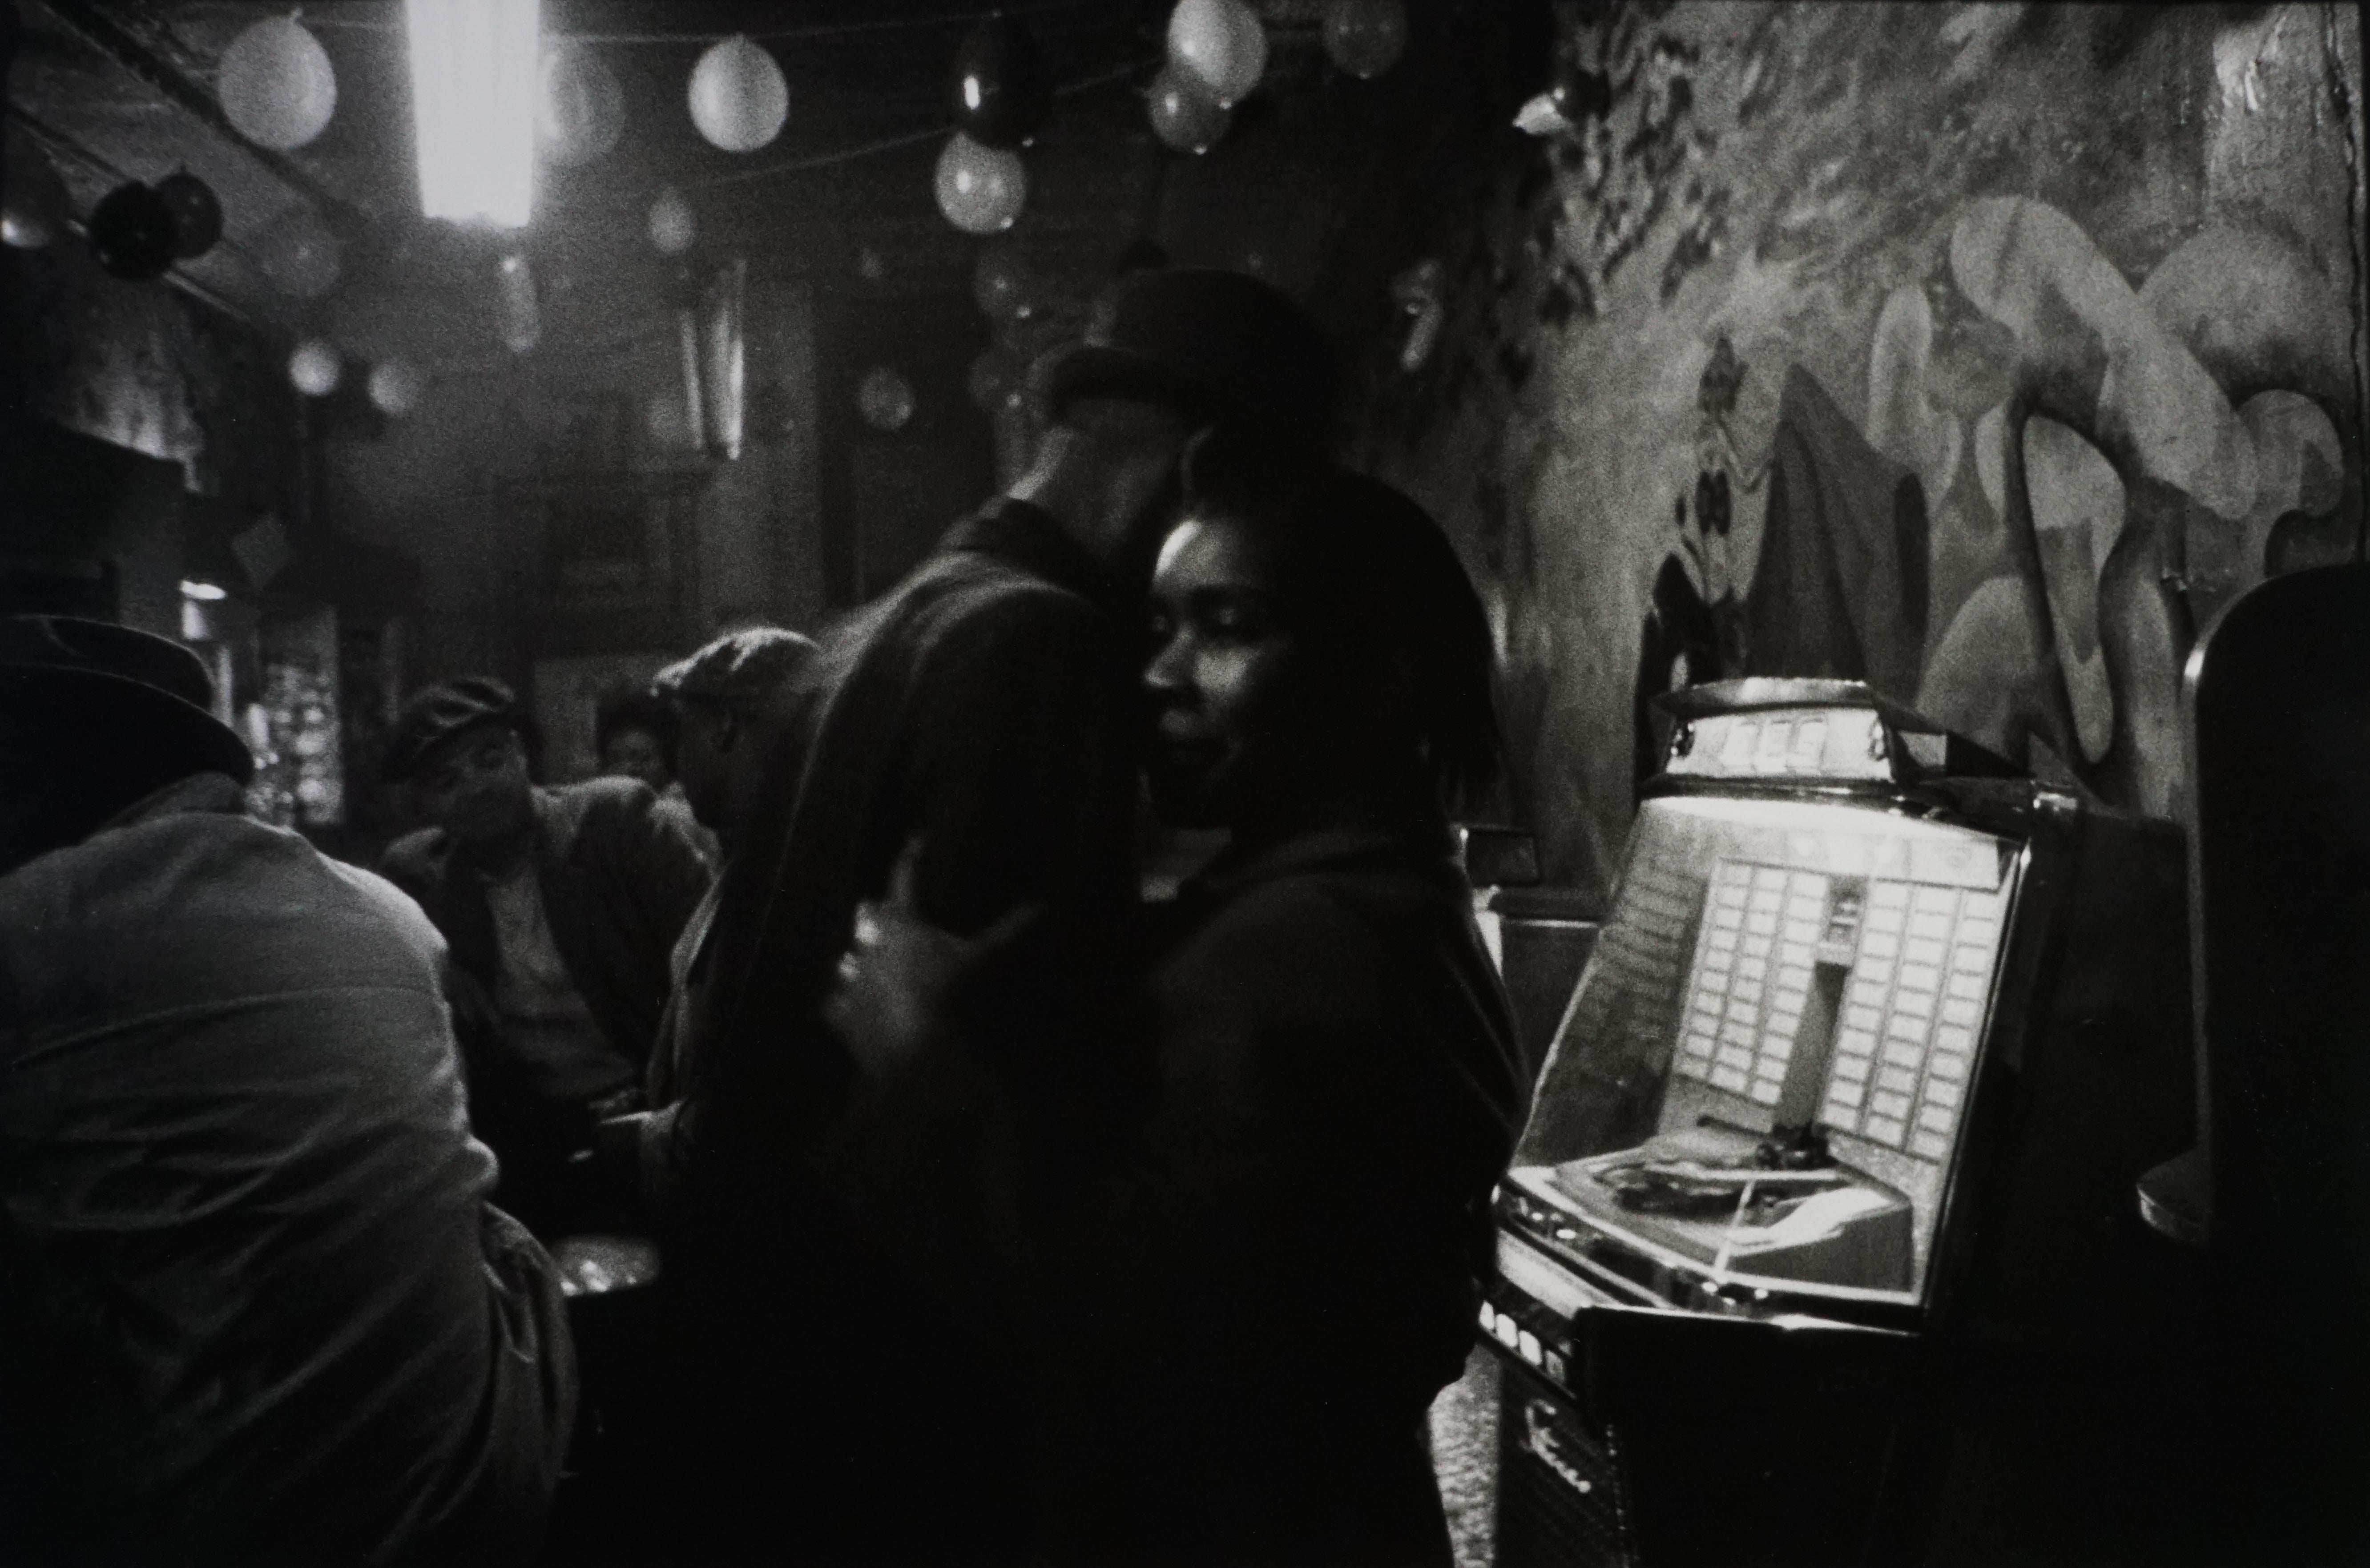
{"x": 1983, "y": 352}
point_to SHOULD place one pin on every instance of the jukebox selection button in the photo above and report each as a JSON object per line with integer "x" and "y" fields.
{"x": 1507, "y": 1330}
{"x": 1526, "y": 1345}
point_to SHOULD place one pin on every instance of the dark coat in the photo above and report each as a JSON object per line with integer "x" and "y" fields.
{"x": 981, "y": 706}
{"x": 1239, "y": 1324}
{"x": 1294, "y": 1263}
{"x": 254, "y": 1307}
{"x": 619, "y": 876}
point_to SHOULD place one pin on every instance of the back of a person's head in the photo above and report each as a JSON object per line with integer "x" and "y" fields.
{"x": 747, "y": 672}
{"x": 1369, "y": 575}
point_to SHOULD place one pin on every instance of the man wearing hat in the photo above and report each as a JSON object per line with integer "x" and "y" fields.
{"x": 732, "y": 703}
{"x": 254, "y": 1305}
{"x": 984, "y": 710}
{"x": 562, "y": 906}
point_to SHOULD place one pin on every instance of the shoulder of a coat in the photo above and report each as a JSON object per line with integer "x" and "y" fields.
{"x": 597, "y": 804}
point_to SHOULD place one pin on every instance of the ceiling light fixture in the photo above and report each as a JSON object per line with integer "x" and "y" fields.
{"x": 474, "y": 71}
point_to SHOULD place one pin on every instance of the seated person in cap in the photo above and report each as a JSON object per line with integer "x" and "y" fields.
{"x": 635, "y": 734}
{"x": 985, "y": 705}
{"x": 562, "y": 906}
{"x": 254, "y": 1305}
{"x": 734, "y": 704}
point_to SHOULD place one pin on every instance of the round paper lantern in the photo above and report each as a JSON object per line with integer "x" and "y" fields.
{"x": 1001, "y": 89}
{"x": 197, "y": 213}
{"x": 36, "y": 208}
{"x": 737, "y": 97}
{"x": 980, "y": 188}
{"x": 885, "y": 398}
{"x": 1220, "y": 44}
{"x": 1184, "y": 116}
{"x": 300, "y": 255}
{"x": 1366, "y": 37}
{"x": 396, "y": 386}
{"x": 673, "y": 228}
{"x": 132, "y": 232}
{"x": 1001, "y": 283}
{"x": 276, "y": 84}
{"x": 995, "y": 376}
{"x": 315, "y": 367}
{"x": 580, "y": 107}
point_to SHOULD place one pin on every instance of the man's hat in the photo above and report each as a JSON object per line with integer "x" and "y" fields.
{"x": 437, "y": 714}
{"x": 740, "y": 669}
{"x": 113, "y": 671}
{"x": 1225, "y": 345}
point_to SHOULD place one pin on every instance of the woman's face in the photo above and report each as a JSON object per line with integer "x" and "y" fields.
{"x": 637, "y": 754}
{"x": 1221, "y": 658}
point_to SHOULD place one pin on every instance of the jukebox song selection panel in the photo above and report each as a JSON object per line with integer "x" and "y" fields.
{"x": 1915, "y": 964}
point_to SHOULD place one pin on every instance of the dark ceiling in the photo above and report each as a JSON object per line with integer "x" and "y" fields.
{"x": 842, "y": 199}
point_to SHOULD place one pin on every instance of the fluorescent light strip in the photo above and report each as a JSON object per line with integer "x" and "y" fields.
{"x": 474, "y": 79}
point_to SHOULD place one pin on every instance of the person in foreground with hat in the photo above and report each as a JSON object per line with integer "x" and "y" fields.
{"x": 255, "y": 1306}
{"x": 983, "y": 706}
{"x": 562, "y": 906}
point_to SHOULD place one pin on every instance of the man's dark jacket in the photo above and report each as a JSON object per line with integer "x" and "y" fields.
{"x": 981, "y": 707}
{"x": 618, "y": 878}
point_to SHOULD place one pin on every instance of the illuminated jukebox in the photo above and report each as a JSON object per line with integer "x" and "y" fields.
{"x": 1822, "y": 1245}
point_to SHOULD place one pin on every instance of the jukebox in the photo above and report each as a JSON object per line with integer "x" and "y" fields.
{"x": 1823, "y": 1245}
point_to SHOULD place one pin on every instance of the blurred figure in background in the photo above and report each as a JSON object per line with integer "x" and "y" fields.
{"x": 562, "y": 906}
{"x": 254, "y": 1305}
{"x": 738, "y": 701}
{"x": 1285, "y": 1266}
{"x": 634, "y": 734}
{"x": 638, "y": 734}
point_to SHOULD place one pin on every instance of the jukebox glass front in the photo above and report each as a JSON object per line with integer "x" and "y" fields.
{"x": 1763, "y": 1075}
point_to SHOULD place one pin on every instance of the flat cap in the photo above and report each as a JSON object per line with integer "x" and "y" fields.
{"x": 437, "y": 714}
{"x": 740, "y": 669}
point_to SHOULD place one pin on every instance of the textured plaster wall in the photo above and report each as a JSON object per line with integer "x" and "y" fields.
{"x": 1984, "y": 352}
{"x": 146, "y": 368}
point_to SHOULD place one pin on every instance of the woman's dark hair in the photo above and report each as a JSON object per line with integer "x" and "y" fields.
{"x": 1368, "y": 575}
{"x": 637, "y": 710}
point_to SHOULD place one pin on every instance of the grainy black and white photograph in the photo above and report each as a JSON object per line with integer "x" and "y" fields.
{"x": 1183, "y": 784}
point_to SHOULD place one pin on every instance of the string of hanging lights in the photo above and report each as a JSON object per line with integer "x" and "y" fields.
{"x": 493, "y": 94}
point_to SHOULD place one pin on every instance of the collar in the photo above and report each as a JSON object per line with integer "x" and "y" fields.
{"x": 216, "y": 792}
{"x": 1024, "y": 535}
